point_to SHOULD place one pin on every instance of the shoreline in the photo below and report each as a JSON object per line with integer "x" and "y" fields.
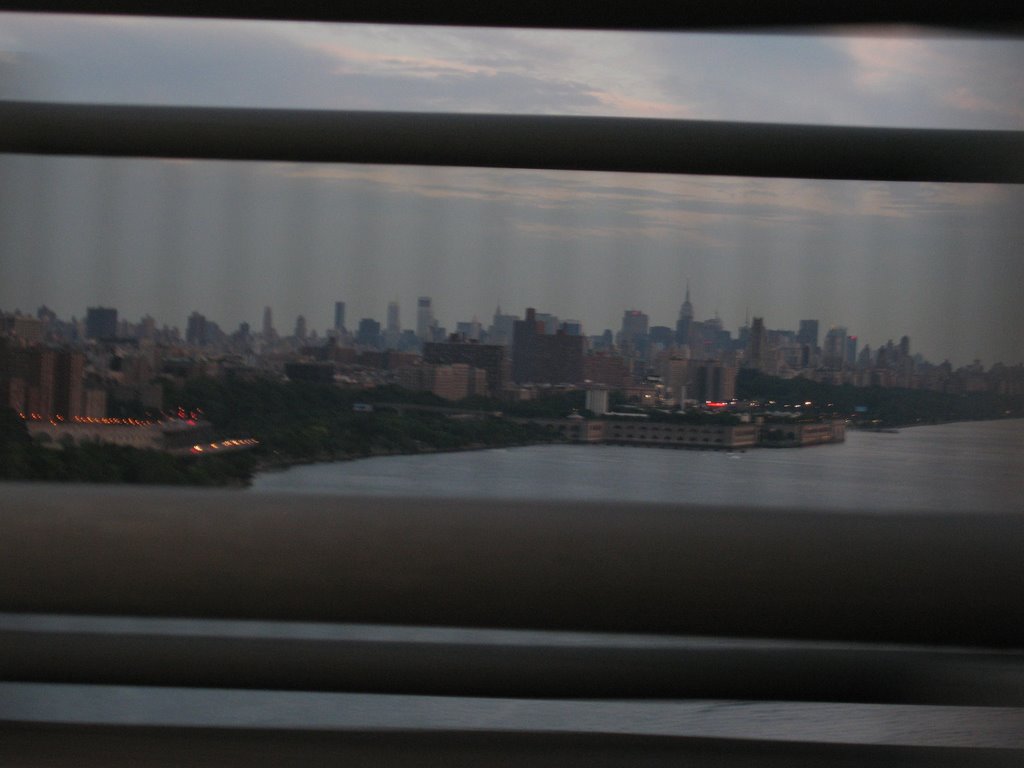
{"x": 283, "y": 464}
{"x": 909, "y": 425}
{"x": 266, "y": 467}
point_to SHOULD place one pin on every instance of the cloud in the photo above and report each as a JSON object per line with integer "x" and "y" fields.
{"x": 967, "y": 99}
{"x": 352, "y": 60}
{"x": 885, "y": 63}
{"x": 941, "y": 81}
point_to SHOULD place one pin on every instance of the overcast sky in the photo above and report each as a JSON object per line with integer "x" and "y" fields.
{"x": 943, "y": 264}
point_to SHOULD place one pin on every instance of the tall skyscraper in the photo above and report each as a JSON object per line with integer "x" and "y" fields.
{"x": 850, "y": 358}
{"x": 424, "y": 318}
{"x": 339, "y": 315}
{"x": 393, "y": 326}
{"x": 758, "y": 346}
{"x": 834, "y": 347}
{"x": 633, "y": 335}
{"x": 808, "y": 333}
{"x": 634, "y": 323}
{"x": 501, "y": 328}
{"x": 300, "y": 328}
{"x": 685, "y": 318}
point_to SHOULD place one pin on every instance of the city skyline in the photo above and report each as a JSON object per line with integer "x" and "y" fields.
{"x": 811, "y": 331}
{"x": 938, "y": 262}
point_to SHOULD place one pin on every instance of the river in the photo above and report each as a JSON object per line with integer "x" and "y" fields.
{"x": 966, "y": 466}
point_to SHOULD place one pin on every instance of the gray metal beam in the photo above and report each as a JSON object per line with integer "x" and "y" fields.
{"x": 34, "y": 746}
{"x": 639, "y": 14}
{"x": 935, "y": 579}
{"x": 515, "y": 141}
{"x": 495, "y": 663}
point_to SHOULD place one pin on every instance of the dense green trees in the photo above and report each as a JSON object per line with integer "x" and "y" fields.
{"x": 889, "y": 406}
{"x": 22, "y": 459}
{"x": 305, "y": 421}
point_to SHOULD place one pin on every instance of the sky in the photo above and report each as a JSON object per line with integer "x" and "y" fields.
{"x": 941, "y": 263}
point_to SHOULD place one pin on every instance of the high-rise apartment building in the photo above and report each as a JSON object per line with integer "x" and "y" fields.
{"x": 69, "y": 383}
{"x": 542, "y": 358}
{"x": 486, "y": 357}
{"x": 339, "y": 315}
{"x": 710, "y": 381}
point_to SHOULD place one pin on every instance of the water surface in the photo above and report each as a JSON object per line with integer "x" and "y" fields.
{"x": 969, "y": 466}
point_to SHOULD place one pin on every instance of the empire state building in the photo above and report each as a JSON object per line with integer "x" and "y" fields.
{"x": 685, "y": 318}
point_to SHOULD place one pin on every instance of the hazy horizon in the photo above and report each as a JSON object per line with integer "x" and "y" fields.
{"x": 940, "y": 263}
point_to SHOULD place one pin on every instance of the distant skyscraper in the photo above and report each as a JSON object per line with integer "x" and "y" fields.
{"x": 393, "y": 326}
{"x": 850, "y": 358}
{"x": 470, "y": 331}
{"x": 834, "y": 347}
{"x": 633, "y": 336}
{"x": 368, "y": 333}
{"x": 661, "y": 334}
{"x": 685, "y": 318}
{"x": 300, "y": 328}
{"x": 573, "y": 327}
{"x": 268, "y": 323}
{"x": 500, "y": 331}
{"x": 100, "y": 323}
{"x": 634, "y": 324}
{"x": 339, "y": 315}
{"x": 758, "y": 346}
{"x": 424, "y": 318}
{"x": 808, "y": 333}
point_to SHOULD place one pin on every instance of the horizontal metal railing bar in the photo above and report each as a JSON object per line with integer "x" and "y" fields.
{"x": 444, "y": 662}
{"x": 931, "y": 579}
{"x": 29, "y": 745}
{"x": 637, "y": 145}
{"x": 837, "y": 722}
{"x": 640, "y": 15}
